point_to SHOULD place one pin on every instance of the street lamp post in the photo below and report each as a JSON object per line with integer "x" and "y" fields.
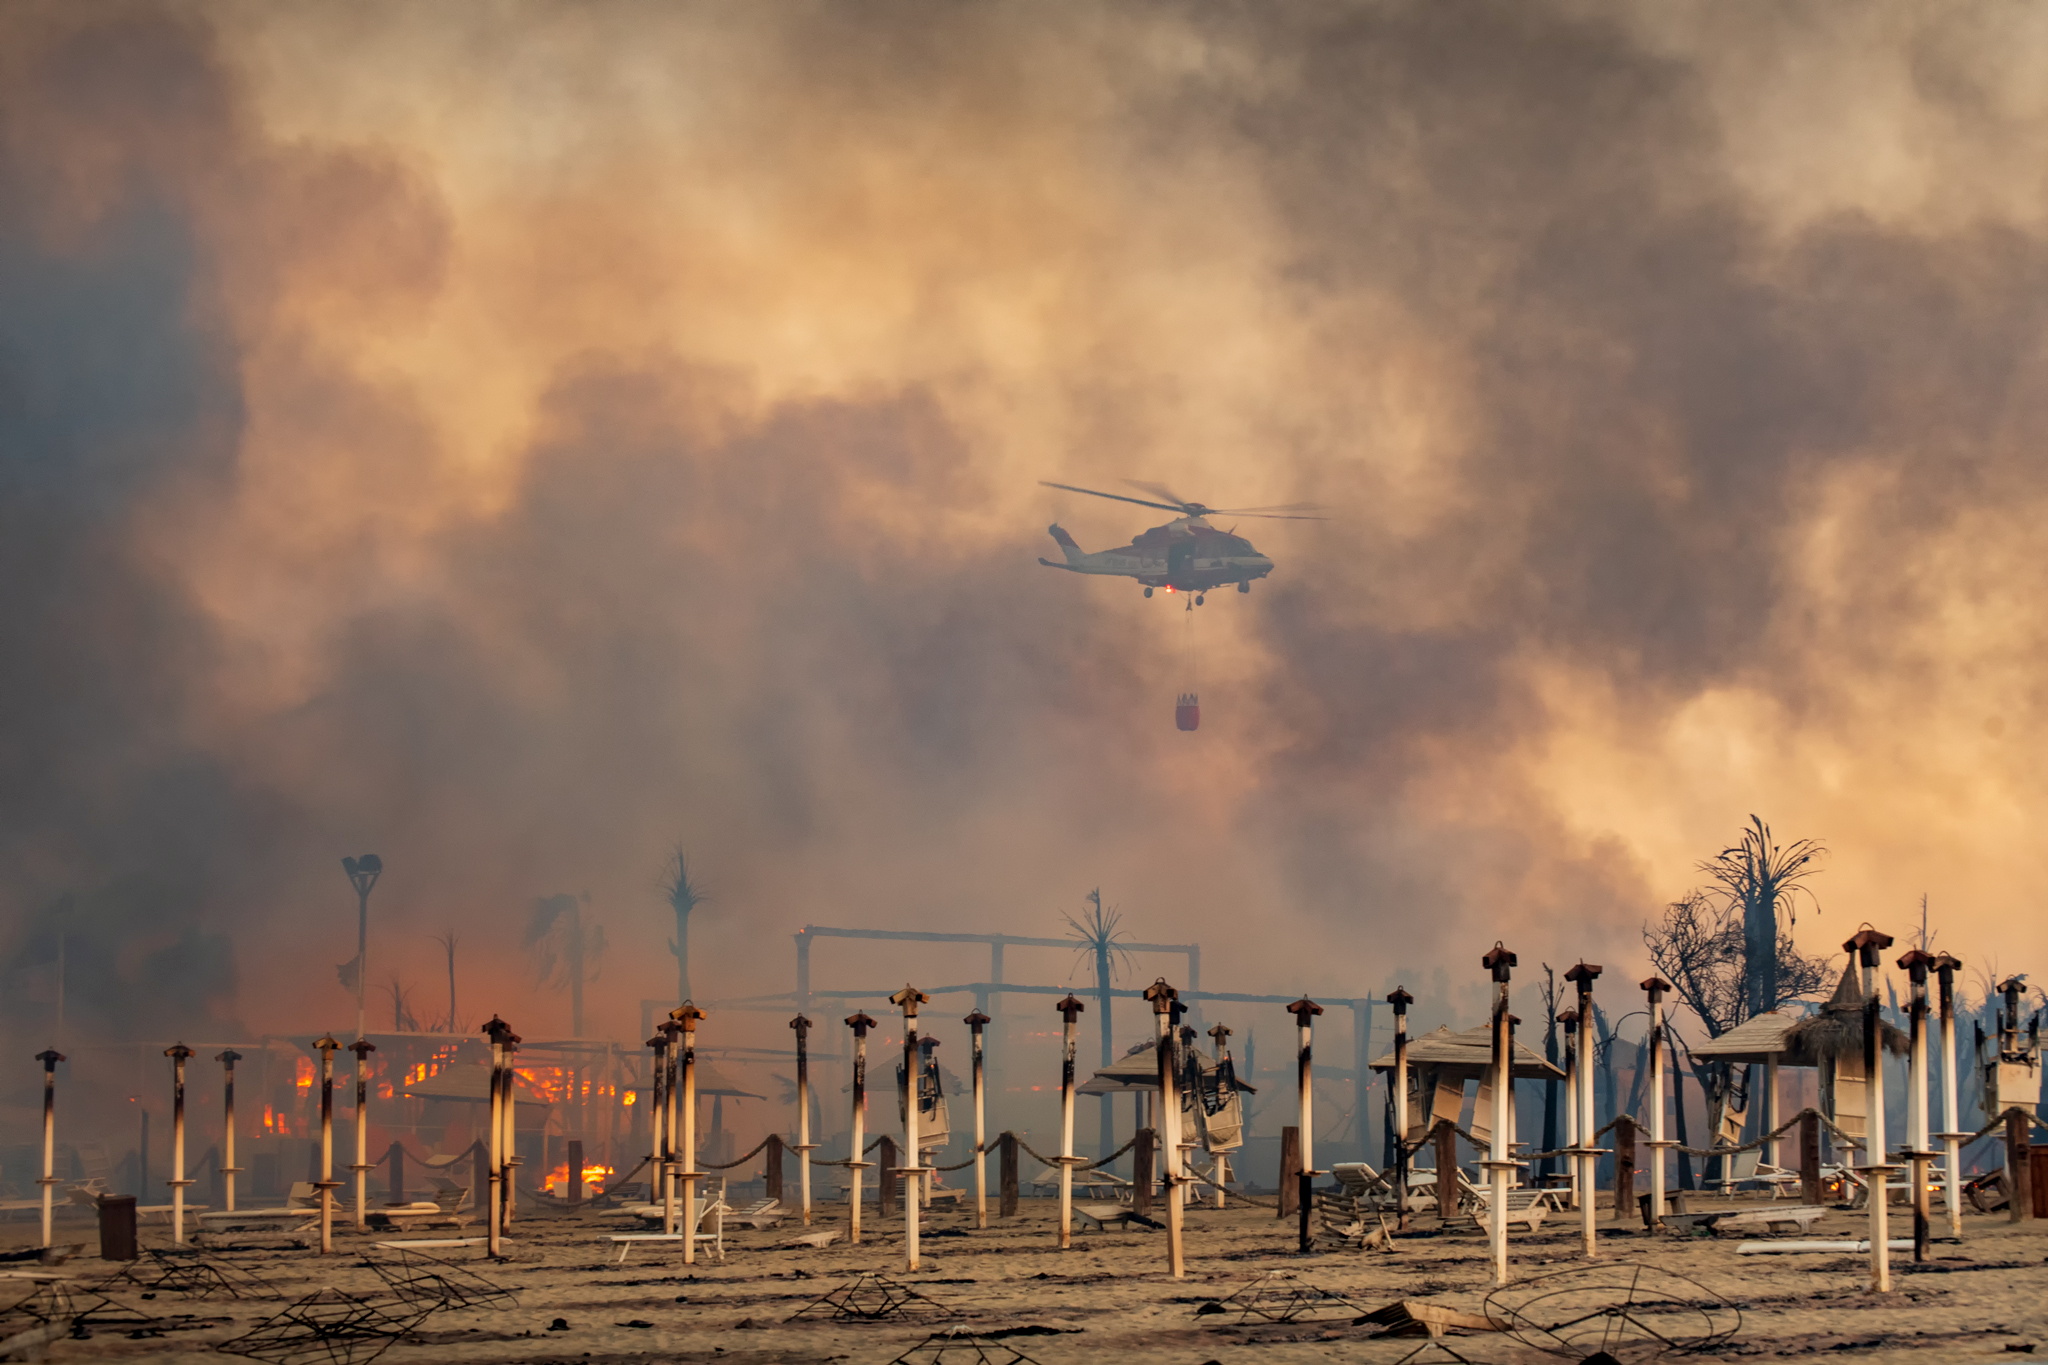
{"x": 362, "y": 875}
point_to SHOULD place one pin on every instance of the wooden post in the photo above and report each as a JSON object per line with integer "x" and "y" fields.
{"x": 1290, "y": 1172}
{"x": 885, "y": 1193}
{"x": 908, "y": 999}
{"x": 49, "y": 1057}
{"x": 360, "y": 1167}
{"x": 1401, "y": 1000}
{"x": 1918, "y": 1139}
{"x": 1164, "y": 998}
{"x": 657, "y": 1118}
{"x": 228, "y": 1169}
{"x": 1583, "y": 975}
{"x": 2020, "y": 1195}
{"x": 804, "y": 1146}
{"x": 1144, "y": 1175}
{"x": 1809, "y": 1158}
{"x": 395, "y": 1189}
{"x": 480, "y": 1176}
{"x": 1951, "y": 1176}
{"x": 687, "y": 1014}
{"x": 326, "y": 1044}
{"x": 1867, "y": 944}
{"x": 1069, "y": 1010}
{"x": 573, "y": 1186}
{"x": 1304, "y": 1011}
{"x": 771, "y": 1169}
{"x": 1446, "y": 1172}
{"x": 1624, "y": 1167}
{"x": 860, "y": 1024}
{"x": 1500, "y": 1164}
{"x": 179, "y": 1055}
{"x": 976, "y": 1022}
{"x": 1654, "y": 988}
{"x": 1006, "y": 1149}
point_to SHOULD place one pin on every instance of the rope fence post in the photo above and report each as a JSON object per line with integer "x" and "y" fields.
{"x": 1809, "y": 1157}
{"x": 1006, "y": 1163}
{"x": 1289, "y": 1203}
{"x": 1624, "y": 1167}
{"x": 1144, "y": 1174}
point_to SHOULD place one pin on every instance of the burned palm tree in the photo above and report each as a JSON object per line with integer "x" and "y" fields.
{"x": 683, "y": 896}
{"x": 565, "y": 948}
{"x": 448, "y": 941}
{"x": 1097, "y": 936}
{"x": 1761, "y": 877}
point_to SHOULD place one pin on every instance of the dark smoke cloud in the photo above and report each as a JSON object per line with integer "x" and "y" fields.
{"x": 1623, "y": 454}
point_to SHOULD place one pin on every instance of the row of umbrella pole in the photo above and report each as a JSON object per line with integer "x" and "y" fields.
{"x": 674, "y": 1146}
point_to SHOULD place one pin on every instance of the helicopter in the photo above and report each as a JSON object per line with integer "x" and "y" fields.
{"x": 1185, "y": 555}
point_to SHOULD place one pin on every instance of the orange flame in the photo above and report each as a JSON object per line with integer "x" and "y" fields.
{"x": 558, "y": 1179}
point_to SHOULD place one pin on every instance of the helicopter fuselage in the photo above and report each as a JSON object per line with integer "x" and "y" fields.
{"x": 1185, "y": 555}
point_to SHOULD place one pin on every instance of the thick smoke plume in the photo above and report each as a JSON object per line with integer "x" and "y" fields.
{"x": 514, "y": 439}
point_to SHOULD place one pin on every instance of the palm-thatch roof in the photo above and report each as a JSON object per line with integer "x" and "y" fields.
{"x": 1137, "y": 1072}
{"x": 1469, "y": 1056}
{"x": 1837, "y": 1031}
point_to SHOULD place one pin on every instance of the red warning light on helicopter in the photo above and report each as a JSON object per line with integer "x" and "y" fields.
{"x": 1187, "y": 712}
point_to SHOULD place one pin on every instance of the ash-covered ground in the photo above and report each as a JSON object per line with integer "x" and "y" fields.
{"x": 1109, "y": 1298}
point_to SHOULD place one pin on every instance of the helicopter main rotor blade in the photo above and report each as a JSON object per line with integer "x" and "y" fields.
{"x": 1267, "y": 516}
{"x": 1160, "y": 490}
{"x": 1265, "y": 511}
{"x": 1114, "y": 497}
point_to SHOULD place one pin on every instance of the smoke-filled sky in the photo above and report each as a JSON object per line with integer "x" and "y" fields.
{"x": 516, "y": 438}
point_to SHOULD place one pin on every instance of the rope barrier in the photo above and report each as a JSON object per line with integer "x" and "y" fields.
{"x": 1079, "y": 1166}
{"x": 848, "y": 1161}
{"x": 759, "y": 1147}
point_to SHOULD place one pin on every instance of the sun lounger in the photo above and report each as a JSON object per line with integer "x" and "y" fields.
{"x": 1103, "y": 1215}
{"x": 765, "y": 1213}
{"x": 1525, "y": 1208}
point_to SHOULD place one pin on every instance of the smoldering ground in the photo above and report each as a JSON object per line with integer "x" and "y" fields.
{"x": 516, "y": 440}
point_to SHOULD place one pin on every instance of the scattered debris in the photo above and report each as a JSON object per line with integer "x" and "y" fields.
{"x": 1283, "y": 1296}
{"x": 962, "y": 1346}
{"x": 422, "y": 1280}
{"x": 1622, "y": 1307}
{"x": 813, "y": 1239}
{"x": 192, "y": 1272}
{"x": 873, "y": 1298}
{"x": 328, "y": 1326}
{"x": 1419, "y": 1318}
